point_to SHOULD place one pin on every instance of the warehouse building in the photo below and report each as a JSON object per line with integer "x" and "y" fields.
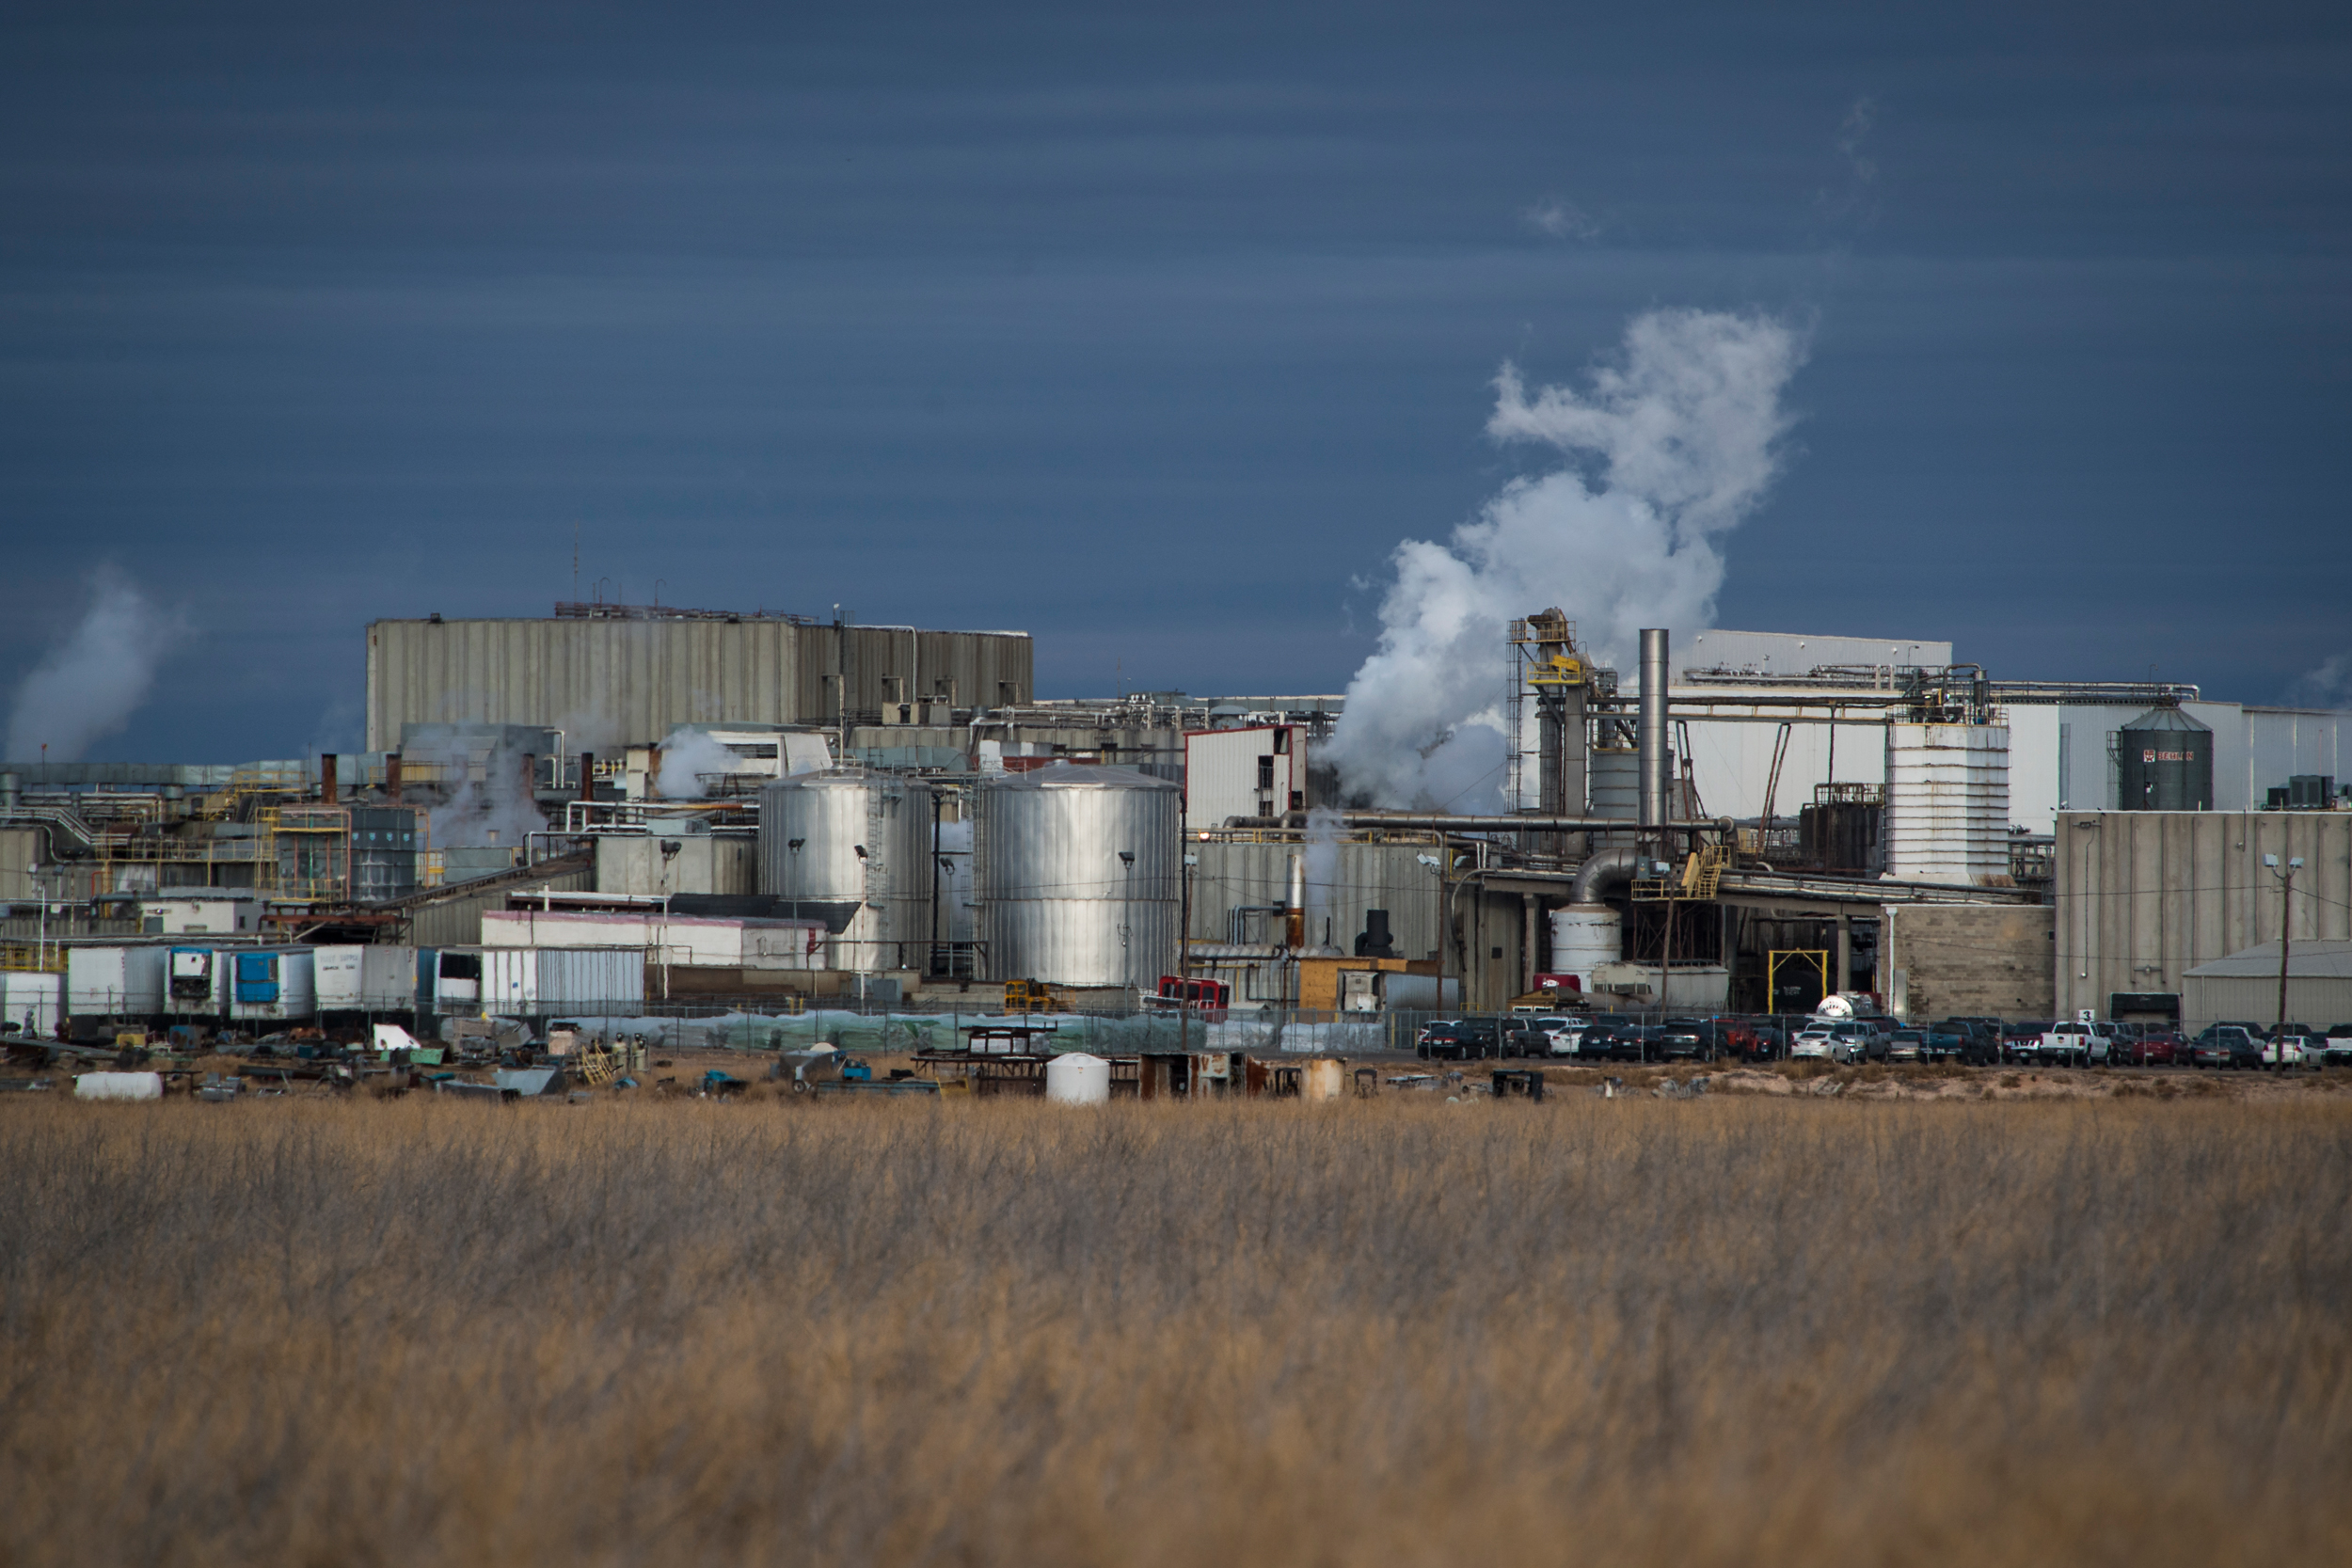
{"x": 621, "y": 674}
{"x": 2144, "y": 897}
{"x": 2243, "y": 987}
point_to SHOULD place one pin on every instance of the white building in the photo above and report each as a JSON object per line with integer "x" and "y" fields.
{"x": 1257, "y": 770}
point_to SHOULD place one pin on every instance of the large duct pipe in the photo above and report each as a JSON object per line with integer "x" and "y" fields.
{"x": 587, "y": 776}
{"x": 1653, "y": 728}
{"x": 327, "y": 777}
{"x": 1406, "y": 821}
{"x": 392, "y": 777}
{"x": 1608, "y": 867}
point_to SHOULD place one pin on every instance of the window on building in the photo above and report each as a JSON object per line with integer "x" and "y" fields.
{"x": 1265, "y": 773}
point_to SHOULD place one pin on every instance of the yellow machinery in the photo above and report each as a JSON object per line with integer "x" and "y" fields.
{"x": 1032, "y": 996}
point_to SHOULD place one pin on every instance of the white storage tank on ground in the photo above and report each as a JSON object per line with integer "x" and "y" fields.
{"x": 273, "y": 984}
{"x": 1584, "y": 937}
{"x": 1078, "y": 1078}
{"x": 115, "y": 982}
{"x": 366, "y": 979}
{"x": 32, "y": 1000}
{"x": 1078, "y": 876}
{"x": 118, "y": 1085}
{"x": 862, "y": 862}
{"x": 1946, "y": 812}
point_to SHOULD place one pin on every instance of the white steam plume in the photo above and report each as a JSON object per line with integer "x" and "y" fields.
{"x": 1323, "y": 829}
{"x": 87, "y": 686}
{"x": 496, "y": 811}
{"x": 686, "y": 757}
{"x": 1669, "y": 448}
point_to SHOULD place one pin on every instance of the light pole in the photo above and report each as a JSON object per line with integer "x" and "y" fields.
{"x": 2286, "y": 939}
{"x": 1126, "y": 913}
{"x": 1437, "y": 863}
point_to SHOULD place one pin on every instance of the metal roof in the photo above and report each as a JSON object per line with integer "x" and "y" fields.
{"x": 2308, "y": 960}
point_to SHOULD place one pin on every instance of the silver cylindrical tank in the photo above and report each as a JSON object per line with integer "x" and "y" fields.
{"x": 864, "y": 852}
{"x": 1584, "y": 937}
{"x": 1656, "y": 770}
{"x": 1079, "y": 877}
{"x": 1616, "y": 784}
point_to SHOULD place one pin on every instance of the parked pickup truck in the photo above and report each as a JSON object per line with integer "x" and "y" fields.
{"x": 2068, "y": 1044}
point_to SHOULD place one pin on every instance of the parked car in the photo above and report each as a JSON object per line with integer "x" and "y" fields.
{"x": 1855, "y": 1041}
{"x": 1460, "y": 1040}
{"x": 2020, "y": 1039}
{"x": 2227, "y": 1045}
{"x": 2295, "y": 1048}
{"x": 1907, "y": 1045}
{"x": 2158, "y": 1047}
{"x": 1687, "y": 1040}
{"x": 1814, "y": 1043}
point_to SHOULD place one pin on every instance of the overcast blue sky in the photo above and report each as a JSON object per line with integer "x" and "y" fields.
{"x": 1151, "y": 335}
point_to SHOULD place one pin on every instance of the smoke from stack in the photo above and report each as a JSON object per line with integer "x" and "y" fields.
{"x": 88, "y": 685}
{"x": 1668, "y": 448}
{"x": 688, "y": 757}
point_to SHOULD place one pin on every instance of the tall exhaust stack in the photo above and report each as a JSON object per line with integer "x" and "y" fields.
{"x": 1655, "y": 776}
{"x": 1295, "y": 911}
{"x": 327, "y": 777}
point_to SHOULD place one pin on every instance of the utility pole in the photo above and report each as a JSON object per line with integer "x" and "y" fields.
{"x": 2286, "y": 940}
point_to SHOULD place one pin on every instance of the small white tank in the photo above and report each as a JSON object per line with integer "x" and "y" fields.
{"x": 1078, "y": 1078}
{"x": 118, "y": 1085}
{"x": 1583, "y": 938}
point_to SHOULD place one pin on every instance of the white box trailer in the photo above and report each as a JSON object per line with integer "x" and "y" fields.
{"x": 32, "y": 1000}
{"x": 114, "y": 981}
{"x": 274, "y": 984}
{"x": 195, "y": 981}
{"x": 369, "y": 980}
{"x": 548, "y": 982}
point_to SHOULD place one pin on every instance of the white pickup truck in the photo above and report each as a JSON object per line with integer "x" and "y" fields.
{"x": 2070, "y": 1044}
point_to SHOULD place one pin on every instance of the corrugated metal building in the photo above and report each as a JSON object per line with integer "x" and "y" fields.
{"x": 1260, "y": 771}
{"x": 636, "y": 679}
{"x": 2245, "y": 985}
{"x": 2145, "y": 897}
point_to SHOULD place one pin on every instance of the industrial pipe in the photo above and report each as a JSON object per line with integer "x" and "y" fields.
{"x": 1294, "y": 912}
{"x": 1652, "y": 734}
{"x": 1609, "y": 867}
{"x": 1428, "y": 822}
{"x": 327, "y": 777}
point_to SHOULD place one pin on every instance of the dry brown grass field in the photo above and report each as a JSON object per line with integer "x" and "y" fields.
{"x": 1731, "y": 1331}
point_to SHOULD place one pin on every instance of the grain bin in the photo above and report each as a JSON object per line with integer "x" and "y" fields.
{"x": 1078, "y": 1078}
{"x": 864, "y": 862}
{"x": 2164, "y": 762}
{"x": 1078, "y": 873}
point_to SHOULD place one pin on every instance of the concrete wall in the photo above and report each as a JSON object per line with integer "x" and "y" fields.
{"x": 609, "y": 683}
{"x": 2144, "y": 896}
{"x": 1946, "y": 960}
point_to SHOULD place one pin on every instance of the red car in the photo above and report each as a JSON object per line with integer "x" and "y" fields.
{"x": 2156, "y": 1047}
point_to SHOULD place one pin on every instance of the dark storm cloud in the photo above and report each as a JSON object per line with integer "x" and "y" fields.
{"x": 1148, "y": 334}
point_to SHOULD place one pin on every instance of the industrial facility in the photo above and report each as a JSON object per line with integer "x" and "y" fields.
{"x": 620, "y": 808}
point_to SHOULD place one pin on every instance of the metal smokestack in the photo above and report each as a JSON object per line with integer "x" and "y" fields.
{"x": 1654, "y": 774}
{"x": 1295, "y": 911}
{"x": 327, "y": 777}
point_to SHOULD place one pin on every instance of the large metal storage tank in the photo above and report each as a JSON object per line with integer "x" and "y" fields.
{"x": 1947, "y": 803}
{"x": 864, "y": 864}
{"x": 1616, "y": 783}
{"x": 1079, "y": 875}
{"x": 2164, "y": 762}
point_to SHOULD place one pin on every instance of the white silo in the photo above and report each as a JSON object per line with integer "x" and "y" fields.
{"x": 1078, "y": 1078}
